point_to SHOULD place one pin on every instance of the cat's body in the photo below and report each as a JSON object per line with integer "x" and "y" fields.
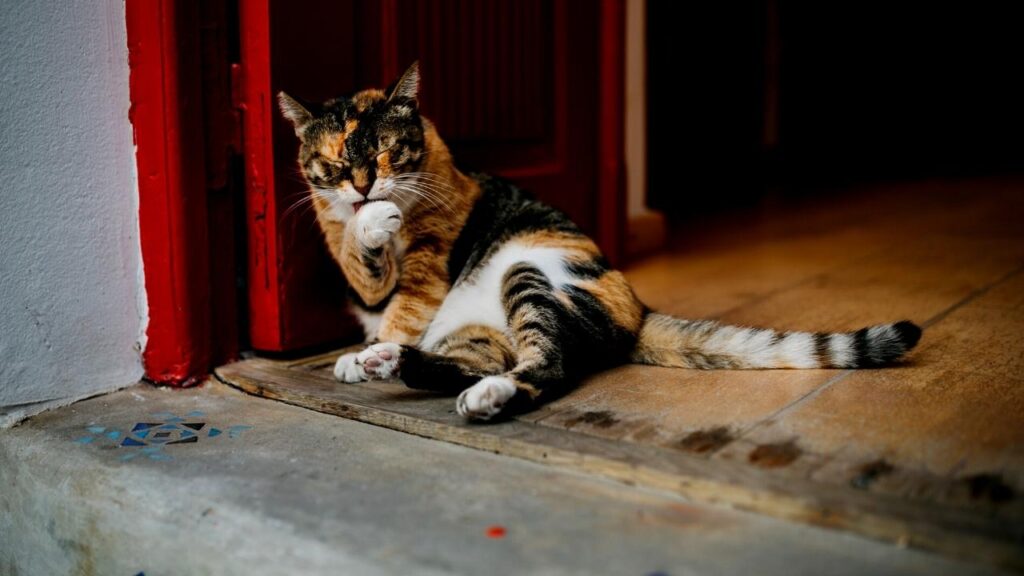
{"x": 467, "y": 285}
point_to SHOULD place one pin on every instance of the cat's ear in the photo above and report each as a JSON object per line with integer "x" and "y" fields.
{"x": 299, "y": 116}
{"x": 408, "y": 86}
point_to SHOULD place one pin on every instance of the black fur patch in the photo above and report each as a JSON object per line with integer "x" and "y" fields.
{"x": 429, "y": 371}
{"x": 822, "y": 348}
{"x": 502, "y": 212}
{"x": 861, "y": 348}
{"x": 589, "y": 270}
{"x": 371, "y": 259}
{"x": 909, "y": 333}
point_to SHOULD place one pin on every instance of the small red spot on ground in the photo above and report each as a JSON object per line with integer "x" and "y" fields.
{"x": 495, "y": 532}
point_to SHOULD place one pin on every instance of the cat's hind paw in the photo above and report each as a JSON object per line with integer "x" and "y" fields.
{"x": 380, "y": 361}
{"x": 485, "y": 399}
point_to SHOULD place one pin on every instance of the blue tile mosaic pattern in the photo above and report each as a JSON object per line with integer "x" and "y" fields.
{"x": 149, "y": 438}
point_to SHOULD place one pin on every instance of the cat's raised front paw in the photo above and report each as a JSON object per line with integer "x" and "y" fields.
{"x": 380, "y": 361}
{"x": 486, "y": 398}
{"x": 348, "y": 369}
{"x": 376, "y": 222}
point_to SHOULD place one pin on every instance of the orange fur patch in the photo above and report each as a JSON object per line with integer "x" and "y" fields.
{"x": 360, "y": 177}
{"x": 484, "y": 349}
{"x": 384, "y": 164}
{"x": 364, "y": 99}
{"x": 334, "y": 147}
{"x": 577, "y": 243}
{"x": 613, "y": 291}
{"x": 532, "y": 391}
{"x": 372, "y": 289}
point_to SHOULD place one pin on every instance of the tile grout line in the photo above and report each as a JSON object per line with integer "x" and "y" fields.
{"x": 974, "y": 295}
{"x": 792, "y": 405}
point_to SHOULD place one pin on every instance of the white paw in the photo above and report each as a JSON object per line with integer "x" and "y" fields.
{"x": 485, "y": 399}
{"x": 380, "y": 361}
{"x": 376, "y": 222}
{"x": 348, "y": 370}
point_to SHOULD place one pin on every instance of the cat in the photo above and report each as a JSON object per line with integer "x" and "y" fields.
{"x": 469, "y": 286}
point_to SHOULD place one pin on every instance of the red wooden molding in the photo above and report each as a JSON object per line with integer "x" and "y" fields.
{"x": 611, "y": 215}
{"x": 166, "y": 117}
{"x": 257, "y": 105}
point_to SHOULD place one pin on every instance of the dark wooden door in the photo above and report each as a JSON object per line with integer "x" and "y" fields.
{"x": 527, "y": 89}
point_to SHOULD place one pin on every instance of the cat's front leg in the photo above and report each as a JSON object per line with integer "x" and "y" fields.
{"x": 367, "y": 253}
{"x": 421, "y": 290}
{"x": 415, "y": 299}
{"x": 368, "y": 262}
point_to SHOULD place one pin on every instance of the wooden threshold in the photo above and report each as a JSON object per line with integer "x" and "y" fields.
{"x": 928, "y": 454}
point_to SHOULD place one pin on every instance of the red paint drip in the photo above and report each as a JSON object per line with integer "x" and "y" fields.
{"x": 496, "y": 532}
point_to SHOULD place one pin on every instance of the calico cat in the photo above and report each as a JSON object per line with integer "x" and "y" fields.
{"x": 467, "y": 285}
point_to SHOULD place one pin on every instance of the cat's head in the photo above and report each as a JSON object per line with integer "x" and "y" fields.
{"x": 361, "y": 148}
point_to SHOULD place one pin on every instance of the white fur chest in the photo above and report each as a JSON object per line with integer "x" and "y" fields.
{"x": 477, "y": 301}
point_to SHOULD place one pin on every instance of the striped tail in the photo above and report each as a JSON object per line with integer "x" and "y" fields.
{"x": 668, "y": 341}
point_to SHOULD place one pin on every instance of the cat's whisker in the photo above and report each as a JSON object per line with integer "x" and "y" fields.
{"x": 424, "y": 196}
{"x": 308, "y": 200}
{"x": 420, "y": 174}
{"x": 426, "y": 176}
{"x": 429, "y": 186}
{"x": 435, "y": 200}
{"x": 433, "y": 192}
{"x": 431, "y": 183}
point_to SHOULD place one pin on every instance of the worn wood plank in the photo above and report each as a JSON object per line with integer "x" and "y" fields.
{"x": 663, "y": 406}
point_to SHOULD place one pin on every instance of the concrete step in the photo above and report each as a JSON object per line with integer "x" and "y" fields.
{"x": 242, "y": 485}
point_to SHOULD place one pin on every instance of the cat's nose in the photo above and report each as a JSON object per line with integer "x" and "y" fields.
{"x": 364, "y": 189}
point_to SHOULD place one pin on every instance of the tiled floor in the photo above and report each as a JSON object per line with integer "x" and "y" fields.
{"x": 947, "y": 255}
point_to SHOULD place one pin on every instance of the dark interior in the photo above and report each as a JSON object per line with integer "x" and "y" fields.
{"x": 785, "y": 97}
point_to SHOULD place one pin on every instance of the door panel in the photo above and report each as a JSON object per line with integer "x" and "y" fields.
{"x": 498, "y": 83}
{"x": 514, "y": 87}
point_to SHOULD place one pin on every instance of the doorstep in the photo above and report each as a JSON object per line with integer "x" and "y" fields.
{"x": 212, "y": 481}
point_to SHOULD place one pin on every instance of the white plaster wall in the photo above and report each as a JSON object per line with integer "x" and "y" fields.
{"x": 72, "y": 303}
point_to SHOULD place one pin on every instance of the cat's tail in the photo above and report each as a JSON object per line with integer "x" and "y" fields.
{"x": 668, "y": 341}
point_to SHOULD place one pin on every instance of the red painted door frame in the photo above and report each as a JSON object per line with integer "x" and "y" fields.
{"x": 166, "y": 117}
{"x": 611, "y": 194}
